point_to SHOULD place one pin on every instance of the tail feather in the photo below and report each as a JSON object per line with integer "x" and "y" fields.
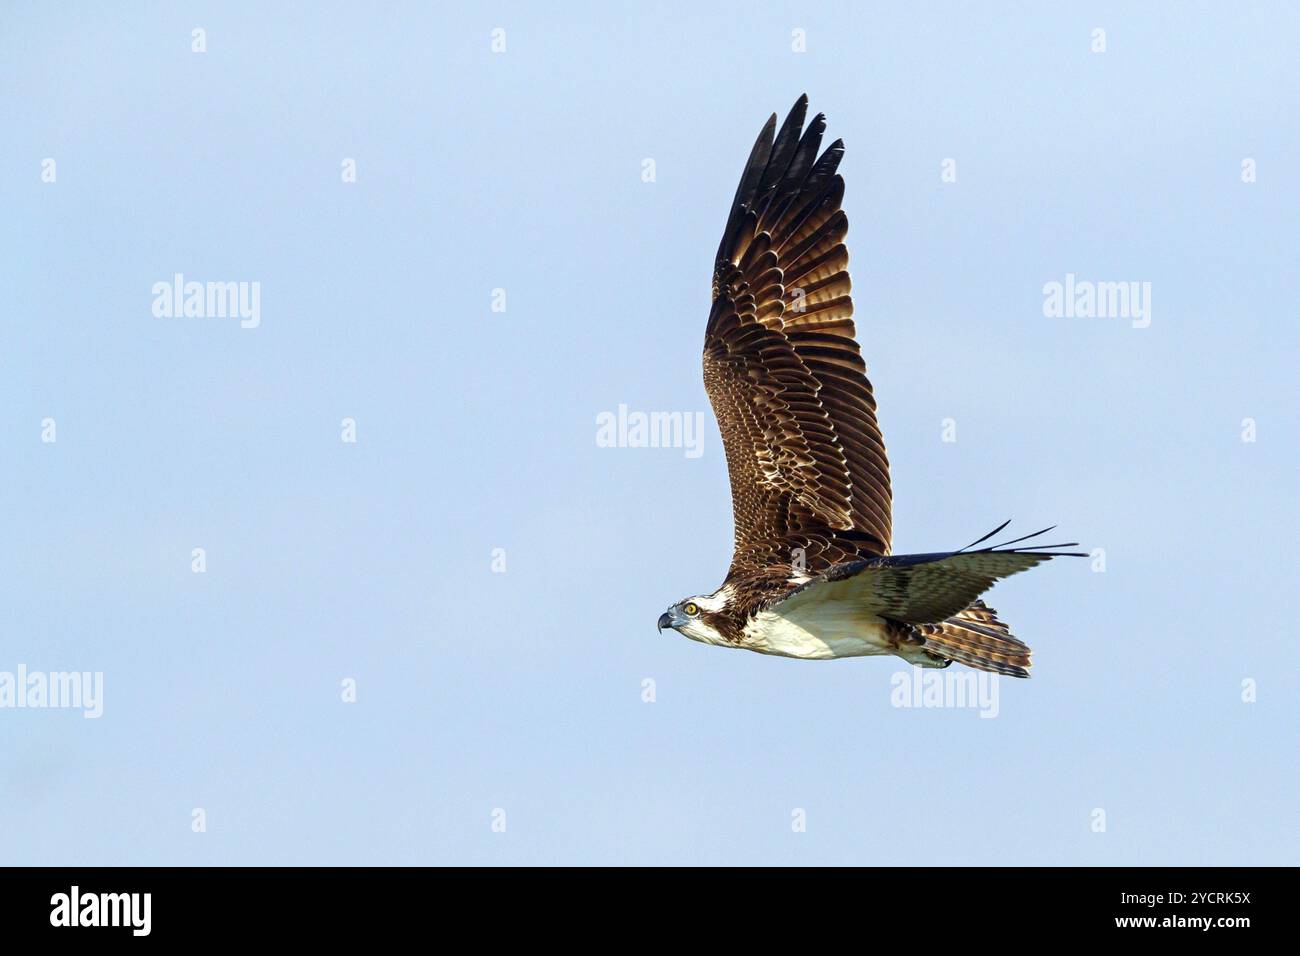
{"x": 975, "y": 637}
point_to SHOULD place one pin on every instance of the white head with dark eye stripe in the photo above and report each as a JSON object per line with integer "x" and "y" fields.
{"x": 698, "y": 617}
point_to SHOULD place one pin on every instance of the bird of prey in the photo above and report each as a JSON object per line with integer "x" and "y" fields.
{"x": 812, "y": 575}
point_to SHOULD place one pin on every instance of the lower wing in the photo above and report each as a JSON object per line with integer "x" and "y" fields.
{"x": 927, "y": 588}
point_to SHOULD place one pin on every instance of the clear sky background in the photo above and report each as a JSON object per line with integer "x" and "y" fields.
{"x": 476, "y": 430}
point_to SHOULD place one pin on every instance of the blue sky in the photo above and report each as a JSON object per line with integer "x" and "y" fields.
{"x": 522, "y": 691}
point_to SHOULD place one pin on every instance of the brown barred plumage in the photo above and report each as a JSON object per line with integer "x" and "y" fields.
{"x": 782, "y": 368}
{"x": 975, "y": 637}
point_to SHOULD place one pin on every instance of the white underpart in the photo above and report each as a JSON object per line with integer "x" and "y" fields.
{"x": 818, "y": 631}
{"x": 815, "y": 624}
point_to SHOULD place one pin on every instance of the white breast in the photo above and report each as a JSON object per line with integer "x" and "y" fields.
{"x": 816, "y": 630}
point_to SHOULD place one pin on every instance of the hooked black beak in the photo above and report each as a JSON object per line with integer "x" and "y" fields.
{"x": 665, "y": 621}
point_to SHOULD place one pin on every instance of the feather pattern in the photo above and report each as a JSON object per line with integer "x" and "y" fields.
{"x": 974, "y": 637}
{"x": 785, "y": 376}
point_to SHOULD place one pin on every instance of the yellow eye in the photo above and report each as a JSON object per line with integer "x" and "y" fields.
{"x": 691, "y": 609}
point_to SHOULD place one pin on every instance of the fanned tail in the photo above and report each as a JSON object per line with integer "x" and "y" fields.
{"x": 975, "y": 637}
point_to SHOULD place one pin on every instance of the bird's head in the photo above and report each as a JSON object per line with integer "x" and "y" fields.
{"x": 701, "y": 618}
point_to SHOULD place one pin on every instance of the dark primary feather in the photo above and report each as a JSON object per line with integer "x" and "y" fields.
{"x": 785, "y": 376}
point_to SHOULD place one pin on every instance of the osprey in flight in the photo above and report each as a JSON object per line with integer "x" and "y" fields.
{"x": 811, "y": 575}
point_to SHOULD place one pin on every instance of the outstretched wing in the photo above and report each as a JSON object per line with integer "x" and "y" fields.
{"x": 783, "y": 370}
{"x": 924, "y": 588}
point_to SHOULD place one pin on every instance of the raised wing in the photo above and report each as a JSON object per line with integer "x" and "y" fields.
{"x": 809, "y": 475}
